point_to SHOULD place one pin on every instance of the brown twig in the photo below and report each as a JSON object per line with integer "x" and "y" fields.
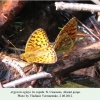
{"x": 79, "y": 58}
{"x": 94, "y": 26}
{"x": 40, "y": 70}
{"x": 8, "y": 10}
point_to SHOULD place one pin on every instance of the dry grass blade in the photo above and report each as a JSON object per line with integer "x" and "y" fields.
{"x": 98, "y": 32}
{"x": 89, "y": 30}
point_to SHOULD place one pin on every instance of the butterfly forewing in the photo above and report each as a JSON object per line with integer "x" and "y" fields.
{"x": 38, "y": 39}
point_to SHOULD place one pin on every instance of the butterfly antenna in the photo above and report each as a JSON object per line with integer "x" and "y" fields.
{"x": 14, "y": 46}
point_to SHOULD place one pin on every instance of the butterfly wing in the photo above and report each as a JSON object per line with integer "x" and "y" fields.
{"x": 65, "y": 44}
{"x": 38, "y": 39}
{"x": 45, "y": 56}
{"x": 66, "y": 38}
{"x": 38, "y": 49}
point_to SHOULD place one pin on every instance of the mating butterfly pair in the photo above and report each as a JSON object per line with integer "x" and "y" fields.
{"x": 39, "y": 50}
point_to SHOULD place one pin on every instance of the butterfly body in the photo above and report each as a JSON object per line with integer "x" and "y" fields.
{"x": 38, "y": 49}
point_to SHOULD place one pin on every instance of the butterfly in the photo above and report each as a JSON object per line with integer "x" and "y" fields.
{"x": 38, "y": 49}
{"x": 66, "y": 38}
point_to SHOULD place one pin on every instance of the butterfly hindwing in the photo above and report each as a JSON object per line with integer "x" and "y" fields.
{"x": 64, "y": 46}
{"x": 46, "y": 56}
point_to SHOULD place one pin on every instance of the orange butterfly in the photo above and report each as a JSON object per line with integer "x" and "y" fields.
{"x": 38, "y": 49}
{"x": 66, "y": 38}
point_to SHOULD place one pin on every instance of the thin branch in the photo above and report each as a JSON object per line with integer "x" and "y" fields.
{"x": 77, "y": 7}
{"x": 15, "y": 63}
{"x": 96, "y": 2}
{"x": 27, "y": 79}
